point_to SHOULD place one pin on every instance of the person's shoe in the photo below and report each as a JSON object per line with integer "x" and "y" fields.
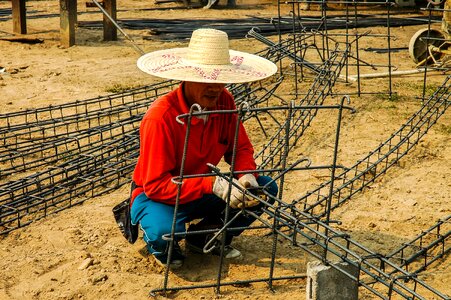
{"x": 195, "y": 247}
{"x": 177, "y": 258}
{"x": 229, "y": 252}
{"x": 197, "y": 242}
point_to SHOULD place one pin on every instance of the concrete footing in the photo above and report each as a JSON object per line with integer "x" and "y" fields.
{"x": 327, "y": 283}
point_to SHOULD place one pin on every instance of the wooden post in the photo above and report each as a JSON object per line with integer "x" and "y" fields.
{"x": 68, "y": 18}
{"x": 19, "y": 16}
{"x": 446, "y": 20}
{"x": 109, "y": 30}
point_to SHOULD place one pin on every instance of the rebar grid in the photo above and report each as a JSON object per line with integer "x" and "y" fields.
{"x": 379, "y": 160}
{"x": 377, "y": 273}
{"x": 102, "y": 169}
{"x": 390, "y": 279}
{"x": 86, "y": 162}
{"x": 321, "y": 38}
{"x": 243, "y": 109}
{"x": 426, "y": 248}
{"x": 35, "y": 138}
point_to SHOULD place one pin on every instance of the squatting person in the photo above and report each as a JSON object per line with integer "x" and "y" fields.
{"x": 204, "y": 67}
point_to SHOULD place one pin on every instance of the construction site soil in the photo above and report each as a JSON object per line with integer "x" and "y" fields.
{"x": 79, "y": 253}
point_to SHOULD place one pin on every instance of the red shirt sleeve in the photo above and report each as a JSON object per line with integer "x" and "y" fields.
{"x": 158, "y": 159}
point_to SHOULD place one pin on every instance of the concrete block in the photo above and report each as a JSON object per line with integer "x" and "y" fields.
{"x": 327, "y": 283}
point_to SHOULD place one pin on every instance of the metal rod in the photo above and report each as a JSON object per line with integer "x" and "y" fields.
{"x": 137, "y": 48}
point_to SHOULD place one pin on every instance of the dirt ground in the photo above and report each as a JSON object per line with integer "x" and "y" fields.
{"x": 80, "y": 254}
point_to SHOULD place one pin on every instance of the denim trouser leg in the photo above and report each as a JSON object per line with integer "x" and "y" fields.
{"x": 156, "y": 218}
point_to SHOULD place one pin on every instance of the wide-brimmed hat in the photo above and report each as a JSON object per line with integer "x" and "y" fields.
{"x": 207, "y": 59}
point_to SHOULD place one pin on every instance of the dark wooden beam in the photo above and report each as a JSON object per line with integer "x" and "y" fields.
{"x": 68, "y": 18}
{"x": 19, "y": 16}
{"x": 109, "y": 30}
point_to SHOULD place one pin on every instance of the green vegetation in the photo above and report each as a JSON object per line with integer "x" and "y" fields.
{"x": 119, "y": 88}
{"x": 394, "y": 97}
{"x": 443, "y": 128}
{"x": 381, "y": 98}
{"x": 416, "y": 88}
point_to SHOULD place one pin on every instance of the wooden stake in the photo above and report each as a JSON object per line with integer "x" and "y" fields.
{"x": 68, "y": 18}
{"x": 19, "y": 16}
{"x": 109, "y": 30}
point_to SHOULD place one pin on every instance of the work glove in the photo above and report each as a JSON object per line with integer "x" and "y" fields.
{"x": 221, "y": 189}
{"x": 249, "y": 182}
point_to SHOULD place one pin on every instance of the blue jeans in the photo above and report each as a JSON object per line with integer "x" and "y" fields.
{"x": 156, "y": 218}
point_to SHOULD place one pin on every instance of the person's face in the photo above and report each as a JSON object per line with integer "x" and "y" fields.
{"x": 204, "y": 94}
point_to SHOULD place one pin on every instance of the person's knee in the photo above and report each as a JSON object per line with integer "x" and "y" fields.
{"x": 154, "y": 235}
{"x": 270, "y": 185}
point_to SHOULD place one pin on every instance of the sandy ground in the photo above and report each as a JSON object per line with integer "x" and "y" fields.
{"x": 80, "y": 254}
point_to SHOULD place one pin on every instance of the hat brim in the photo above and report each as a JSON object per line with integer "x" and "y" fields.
{"x": 172, "y": 64}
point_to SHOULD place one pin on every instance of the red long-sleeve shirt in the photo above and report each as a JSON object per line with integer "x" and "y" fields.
{"x": 162, "y": 141}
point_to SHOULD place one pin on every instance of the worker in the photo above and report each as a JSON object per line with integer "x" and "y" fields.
{"x": 204, "y": 68}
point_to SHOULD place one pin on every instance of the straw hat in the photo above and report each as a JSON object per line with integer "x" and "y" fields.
{"x": 207, "y": 59}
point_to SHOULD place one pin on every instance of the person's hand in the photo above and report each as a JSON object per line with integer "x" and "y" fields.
{"x": 221, "y": 189}
{"x": 249, "y": 181}
{"x": 238, "y": 199}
